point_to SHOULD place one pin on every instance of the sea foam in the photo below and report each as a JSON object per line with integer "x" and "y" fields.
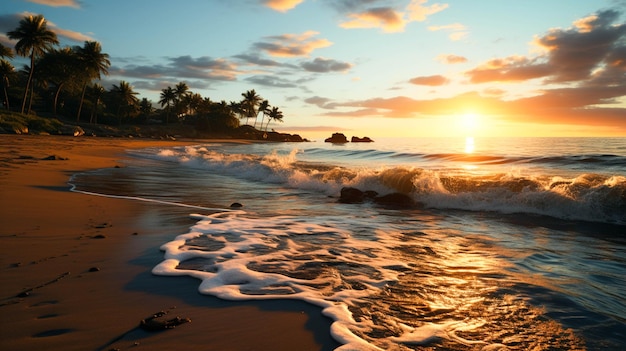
{"x": 586, "y": 196}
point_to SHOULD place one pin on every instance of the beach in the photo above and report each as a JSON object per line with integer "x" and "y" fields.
{"x": 76, "y": 268}
{"x": 497, "y": 248}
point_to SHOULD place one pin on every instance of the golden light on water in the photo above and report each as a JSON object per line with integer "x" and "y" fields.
{"x": 470, "y": 146}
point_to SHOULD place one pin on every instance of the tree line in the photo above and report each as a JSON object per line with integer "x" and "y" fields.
{"x": 65, "y": 82}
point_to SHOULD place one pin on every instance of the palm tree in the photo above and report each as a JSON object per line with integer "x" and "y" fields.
{"x": 94, "y": 63}
{"x": 7, "y": 71}
{"x": 57, "y": 66}
{"x": 193, "y": 101}
{"x": 33, "y": 39}
{"x": 274, "y": 114}
{"x": 5, "y": 51}
{"x": 168, "y": 95}
{"x": 145, "y": 108}
{"x": 126, "y": 98}
{"x": 249, "y": 104}
{"x": 181, "y": 90}
{"x": 264, "y": 107}
{"x": 236, "y": 108}
{"x": 95, "y": 92}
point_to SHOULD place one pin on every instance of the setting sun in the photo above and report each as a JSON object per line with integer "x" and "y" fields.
{"x": 470, "y": 122}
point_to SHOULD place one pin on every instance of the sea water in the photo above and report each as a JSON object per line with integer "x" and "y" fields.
{"x": 512, "y": 244}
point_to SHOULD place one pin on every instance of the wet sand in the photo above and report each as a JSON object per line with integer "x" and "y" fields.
{"x": 75, "y": 268}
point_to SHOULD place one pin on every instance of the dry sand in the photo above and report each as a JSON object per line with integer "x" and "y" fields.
{"x": 75, "y": 268}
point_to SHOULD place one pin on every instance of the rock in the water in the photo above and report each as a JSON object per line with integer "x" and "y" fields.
{"x": 236, "y": 205}
{"x": 351, "y": 195}
{"x": 337, "y": 138}
{"x": 361, "y": 140}
{"x": 395, "y": 200}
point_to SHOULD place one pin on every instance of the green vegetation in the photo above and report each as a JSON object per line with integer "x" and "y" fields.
{"x": 19, "y": 123}
{"x": 62, "y": 84}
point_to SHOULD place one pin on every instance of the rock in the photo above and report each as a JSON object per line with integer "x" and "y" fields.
{"x": 370, "y": 194}
{"x": 157, "y": 323}
{"x": 67, "y": 129}
{"x": 337, "y": 138}
{"x": 395, "y": 200}
{"x": 78, "y": 131}
{"x": 236, "y": 205}
{"x": 361, "y": 140}
{"x": 20, "y": 129}
{"x": 94, "y": 269}
{"x": 55, "y": 158}
{"x": 351, "y": 195}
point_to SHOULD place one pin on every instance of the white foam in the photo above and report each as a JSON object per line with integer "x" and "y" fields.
{"x": 585, "y": 197}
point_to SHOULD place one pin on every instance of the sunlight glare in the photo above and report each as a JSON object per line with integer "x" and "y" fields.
{"x": 469, "y": 145}
{"x": 470, "y": 122}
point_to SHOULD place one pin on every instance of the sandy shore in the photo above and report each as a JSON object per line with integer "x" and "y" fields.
{"x": 75, "y": 268}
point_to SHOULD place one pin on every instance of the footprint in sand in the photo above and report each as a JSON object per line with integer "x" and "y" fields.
{"x": 50, "y": 315}
{"x": 45, "y": 303}
{"x": 53, "y": 332}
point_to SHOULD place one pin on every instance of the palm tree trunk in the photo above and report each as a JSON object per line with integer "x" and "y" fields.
{"x": 6, "y": 97}
{"x": 80, "y": 105}
{"x": 30, "y": 78}
{"x": 30, "y": 100}
{"x": 56, "y": 99}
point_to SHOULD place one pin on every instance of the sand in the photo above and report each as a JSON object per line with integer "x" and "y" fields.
{"x": 75, "y": 268}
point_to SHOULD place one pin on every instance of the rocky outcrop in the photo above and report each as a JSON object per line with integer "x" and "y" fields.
{"x": 350, "y": 195}
{"x": 395, "y": 200}
{"x": 337, "y": 138}
{"x": 356, "y": 139}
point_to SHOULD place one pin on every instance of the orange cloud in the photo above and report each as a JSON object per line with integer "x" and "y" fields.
{"x": 509, "y": 69}
{"x": 391, "y": 20}
{"x": 458, "y": 31}
{"x": 282, "y": 5}
{"x": 429, "y": 80}
{"x": 418, "y": 12}
{"x": 452, "y": 59}
{"x": 57, "y": 3}
{"x": 381, "y": 17}
{"x": 574, "y": 106}
{"x": 70, "y": 34}
{"x": 591, "y": 51}
{"x": 292, "y": 45}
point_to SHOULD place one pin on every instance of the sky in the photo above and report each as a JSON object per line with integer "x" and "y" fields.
{"x": 394, "y": 68}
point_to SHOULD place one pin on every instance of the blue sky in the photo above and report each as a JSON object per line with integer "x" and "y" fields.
{"x": 370, "y": 67}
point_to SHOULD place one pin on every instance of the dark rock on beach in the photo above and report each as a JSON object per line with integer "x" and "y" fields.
{"x": 157, "y": 322}
{"x": 54, "y": 158}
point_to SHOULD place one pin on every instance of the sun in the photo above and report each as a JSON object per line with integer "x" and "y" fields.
{"x": 470, "y": 122}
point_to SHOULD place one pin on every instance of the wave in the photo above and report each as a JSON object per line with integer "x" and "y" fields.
{"x": 567, "y": 161}
{"x": 586, "y": 196}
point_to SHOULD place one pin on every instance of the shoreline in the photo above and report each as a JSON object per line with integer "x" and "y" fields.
{"x": 76, "y": 267}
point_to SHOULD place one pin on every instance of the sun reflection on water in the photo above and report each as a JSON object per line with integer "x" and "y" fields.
{"x": 470, "y": 146}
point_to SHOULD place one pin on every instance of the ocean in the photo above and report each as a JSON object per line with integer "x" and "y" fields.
{"x": 507, "y": 244}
